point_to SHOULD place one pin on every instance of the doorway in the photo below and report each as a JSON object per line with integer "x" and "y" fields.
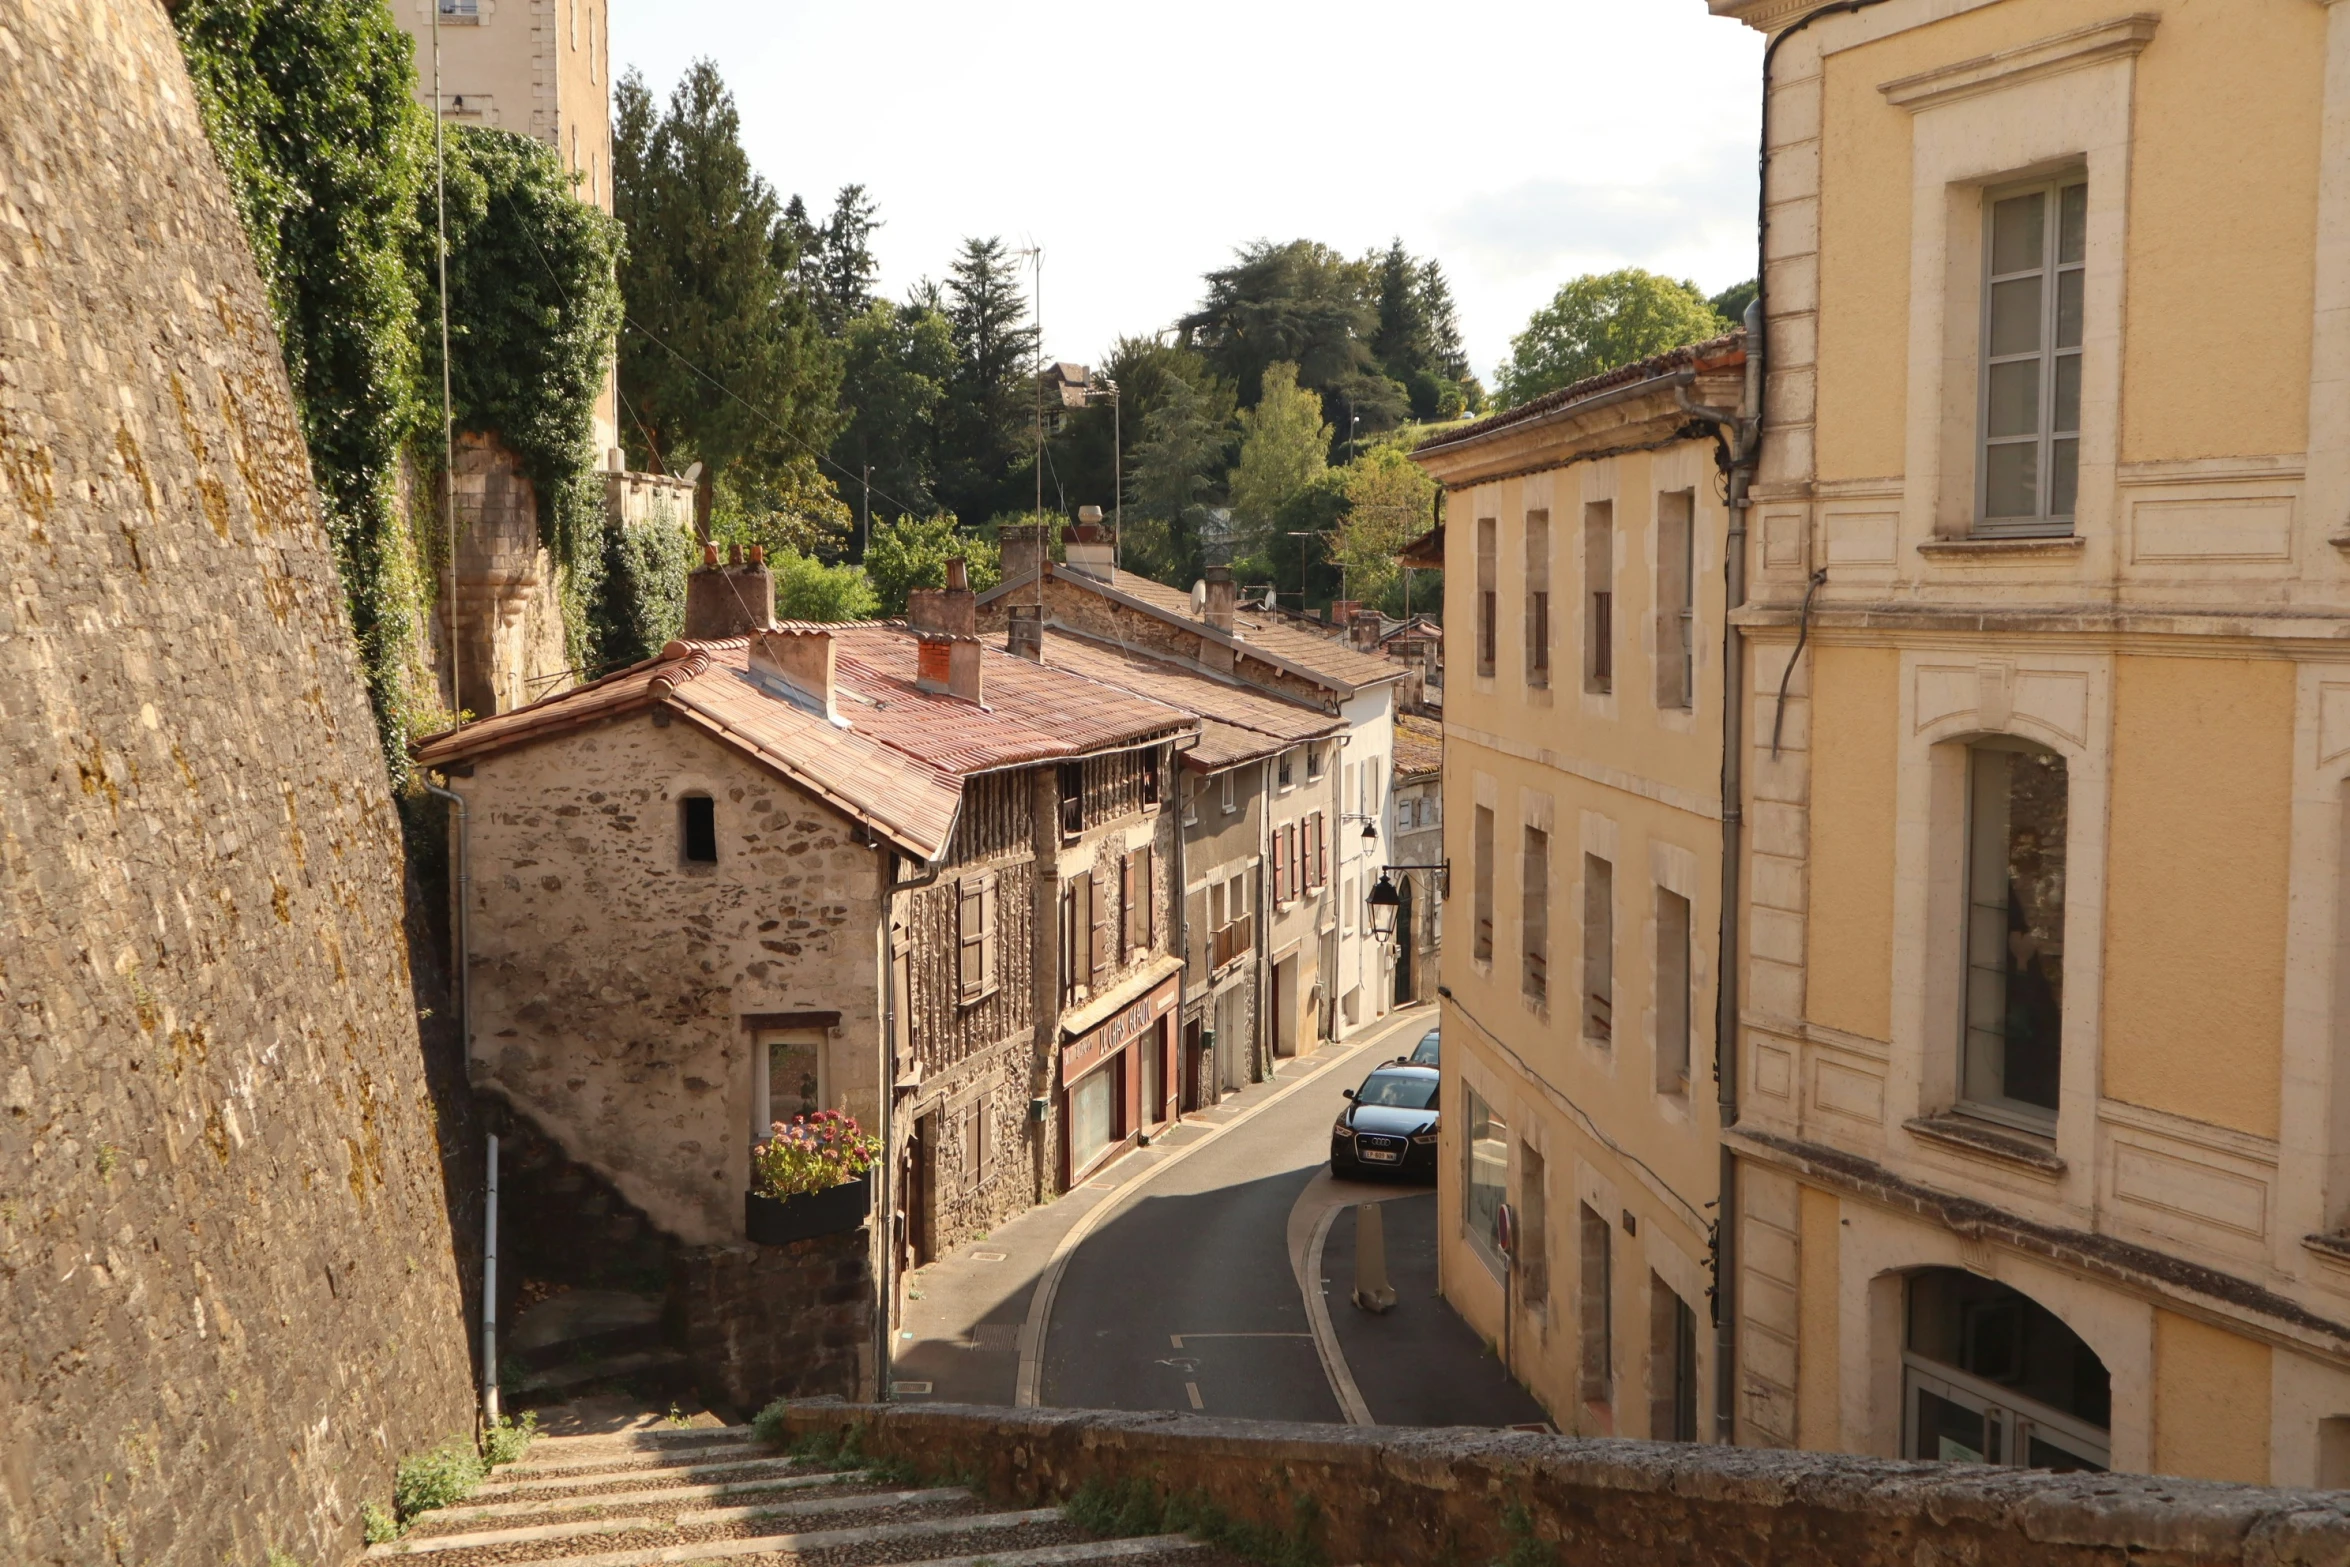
{"x": 919, "y": 1184}
{"x": 1285, "y": 1004}
{"x": 1990, "y": 1376}
{"x": 1403, "y": 942}
{"x": 1193, "y": 1049}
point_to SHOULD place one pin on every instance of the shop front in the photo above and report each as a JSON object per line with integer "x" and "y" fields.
{"x": 1119, "y": 1078}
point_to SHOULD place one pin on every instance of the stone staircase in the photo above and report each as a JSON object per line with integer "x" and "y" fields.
{"x": 717, "y": 1493}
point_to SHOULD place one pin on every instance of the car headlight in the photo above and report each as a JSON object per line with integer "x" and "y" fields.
{"x": 1423, "y": 1138}
{"x": 1341, "y": 1129}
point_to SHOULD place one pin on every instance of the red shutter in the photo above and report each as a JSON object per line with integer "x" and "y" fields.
{"x": 1281, "y": 866}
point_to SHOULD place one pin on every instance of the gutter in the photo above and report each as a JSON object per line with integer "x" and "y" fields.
{"x": 885, "y": 1277}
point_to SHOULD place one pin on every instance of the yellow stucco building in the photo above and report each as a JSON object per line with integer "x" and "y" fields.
{"x": 2043, "y": 1142}
{"x": 1583, "y": 738}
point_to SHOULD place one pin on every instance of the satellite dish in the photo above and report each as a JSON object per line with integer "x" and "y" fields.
{"x": 1199, "y": 598}
{"x": 692, "y": 472}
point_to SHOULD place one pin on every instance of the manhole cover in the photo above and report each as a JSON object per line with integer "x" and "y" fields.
{"x": 903, "y": 1389}
{"x": 987, "y": 1256}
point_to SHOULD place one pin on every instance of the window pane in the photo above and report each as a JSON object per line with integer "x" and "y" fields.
{"x": 2018, "y": 233}
{"x": 2072, "y": 223}
{"x": 2068, "y": 395}
{"x": 2068, "y": 309}
{"x": 1090, "y": 1117}
{"x": 2064, "y": 472}
{"x": 1487, "y": 1153}
{"x": 2015, "y": 926}
{"x": 2015, "y": 316}
{"x": 2012, "y": 487}
{"x": 2015, "y": 398}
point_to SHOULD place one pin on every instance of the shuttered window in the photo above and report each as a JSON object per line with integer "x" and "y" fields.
{"x": 1138, "y": 899}
{"x": 1104, "y": 957}
{"x": 975, "y": 932}
{"x": 1281, "y": 893}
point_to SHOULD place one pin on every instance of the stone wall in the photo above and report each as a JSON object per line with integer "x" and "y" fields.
{"x": 769, "y": 1322}
{"x": 1409, "y": 1496}
{"x": 226, "y": 1262}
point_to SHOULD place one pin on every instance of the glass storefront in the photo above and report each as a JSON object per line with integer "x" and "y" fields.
{"x": 1093, "y": 1114}
{"x": 1990, "y": 1376}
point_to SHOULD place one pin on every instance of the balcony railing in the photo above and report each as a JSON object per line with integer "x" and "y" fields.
{"x": 1231, "y": 940}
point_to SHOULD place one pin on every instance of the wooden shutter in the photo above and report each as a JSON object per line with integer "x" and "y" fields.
{"x": 1142, "y": 909}
{"x": 971, "y": 936}
{"x": 988, "y": 946}
{"x": 1103, "y": 930}
{"x": 1126, "y": 897}
{"x": 1281, "y": 865}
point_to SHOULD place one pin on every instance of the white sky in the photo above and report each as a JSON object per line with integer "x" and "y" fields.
{"x": 1520, "y": 142}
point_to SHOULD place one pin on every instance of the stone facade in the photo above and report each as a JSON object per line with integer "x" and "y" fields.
{"x": 509, "y": 646}
{"x": 226, "y": 1261}
{"x": 769, "y": 1322}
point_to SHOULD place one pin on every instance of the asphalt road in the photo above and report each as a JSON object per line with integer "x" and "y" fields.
{"x": 1186, "y": 1299}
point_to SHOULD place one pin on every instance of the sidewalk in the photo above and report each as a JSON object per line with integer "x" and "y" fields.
{"x": 959, "y": 1341}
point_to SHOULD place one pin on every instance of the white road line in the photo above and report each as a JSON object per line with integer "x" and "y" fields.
{"x": 1029, "y": 1390}
{"x": 1193, "y": 1389}
{"x": 1334, "y": 1366}
{"x": 1178, "y": 1338}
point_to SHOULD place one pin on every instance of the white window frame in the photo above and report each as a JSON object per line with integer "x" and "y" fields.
{"x": 2046, "y": 520}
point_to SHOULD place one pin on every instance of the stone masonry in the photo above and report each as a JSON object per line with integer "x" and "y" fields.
{"x": 226, "y": 1265}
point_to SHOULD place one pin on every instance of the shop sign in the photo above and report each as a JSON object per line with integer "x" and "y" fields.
{"x": 1101, "y": 1043}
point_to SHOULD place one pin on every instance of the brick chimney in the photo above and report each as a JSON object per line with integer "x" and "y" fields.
{"x": 1023, "y": 546}
{"x": 947, "y": 622}
{"x": 1024, "y": 631}
{"x": 797, "y": 665}
{"x": 731, "y": 600}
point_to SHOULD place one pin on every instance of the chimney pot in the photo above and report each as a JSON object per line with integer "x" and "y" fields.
{"x": 799, "y": 662}
{"x": 958, "y": 575}
{"x": 709, "y": 554}
{"x": 734, "y": 554}
{"x": 758, "y": 554}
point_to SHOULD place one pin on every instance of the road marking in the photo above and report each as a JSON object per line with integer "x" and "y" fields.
{"x": 1028, "y": 1392}
{"x": 1193, "y": 1389}
{"x": 1334, "y": 1366}
{"x": 1177, "y": 1339}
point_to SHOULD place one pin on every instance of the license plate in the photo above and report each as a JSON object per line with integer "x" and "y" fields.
{"x": 1380, "y": 1155}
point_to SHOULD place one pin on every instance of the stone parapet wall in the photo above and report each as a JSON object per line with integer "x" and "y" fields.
{"x": 769, "y": 1322}
{"x": 1400, "y": 1495}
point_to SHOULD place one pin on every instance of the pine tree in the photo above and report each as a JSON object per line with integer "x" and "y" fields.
{"x": 843, "y": 258}
{"x": 986, "y": 429}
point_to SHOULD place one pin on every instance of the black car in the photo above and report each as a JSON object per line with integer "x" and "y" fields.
{"x": 1390, "y": 1126}
{"x": 1424, "y": 1053}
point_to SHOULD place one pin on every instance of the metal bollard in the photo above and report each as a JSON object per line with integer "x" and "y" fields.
{"x": 1372, "y": 1291}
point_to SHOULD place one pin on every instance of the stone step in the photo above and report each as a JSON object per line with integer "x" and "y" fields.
{"x": 435, "y": 1544}
{"x": 607, "y": 1472}
{"x": 580, "y": 1373}
{"x": 1082, "y": 1553}
{"x": 547, "y": 1506}
{"x": 883, "y": 1536}
{"x": 644, "y": 1438}
{"x": 822, "y": 1505}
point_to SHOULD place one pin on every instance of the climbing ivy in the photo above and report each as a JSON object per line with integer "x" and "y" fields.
{"x": 643, "y": 592}
{"x": 533, "y": 310}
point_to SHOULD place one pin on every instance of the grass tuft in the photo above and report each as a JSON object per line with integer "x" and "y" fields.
{"x": 1135, "y": 1506}
{"x": 508, "y": 1439}
{"x": 1526, "y": 1548}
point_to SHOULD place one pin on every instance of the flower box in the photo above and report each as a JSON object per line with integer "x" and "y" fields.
{"x": 778, "y": 1221}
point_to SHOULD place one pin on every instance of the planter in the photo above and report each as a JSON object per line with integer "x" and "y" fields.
{"x": 778, "y": 1221}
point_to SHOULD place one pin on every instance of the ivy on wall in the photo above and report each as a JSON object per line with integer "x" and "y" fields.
{"x": 643, "y": 591}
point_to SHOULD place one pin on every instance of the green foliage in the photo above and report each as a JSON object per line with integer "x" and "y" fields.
{"x": 785, "y": 506}
{"x": 897, "y": 363}
{"x": 770, "y": 1425}
{"x": 1597, "y": 323}
{"x": 913, "y": 552}
{"x": 1390, "y": 500}
{"x": 1176, "y": 473}
{"x": 1283, "y": 447}
{"x": 533, "y": 309}
{"x": 1304, "y": 304}
{"x": 506, "y": 1439}
{"x": 807, "y": 589}
{"x": 725, "y": 361}
{"x": 1417, "y": 339}
{"x": 1136, "y": 1506}
{"x": 280, "y": 1558}
{"x": 1730, "y": 304}
{"x": 812, "y": 1153}
{"x": 645, "y": 566}
{"x": 376, "y": 1523}
{"x": 311, "y": 106}
{"x": 441, "y": 1477}
{"x": 1526, "y": 1548}
{"x": 987, "y": 426}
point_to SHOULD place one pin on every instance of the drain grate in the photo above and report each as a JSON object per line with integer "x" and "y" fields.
{"x": 996, "y": 1335}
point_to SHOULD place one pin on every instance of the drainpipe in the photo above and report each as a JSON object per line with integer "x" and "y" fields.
{"x": 884, "y": 1202}
{"x": 489, "y": 1240}
{"x": 1726, "y": 1004}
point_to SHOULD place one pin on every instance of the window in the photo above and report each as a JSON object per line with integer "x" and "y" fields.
{"x": 1224, "y": 794}
{"x": 1672, "y": 992}
{"x": 697, "y": 818}
{"x": 1482, "y": 947}
{"x": 1072, "y": 781}
{"x": 1485, "y": 1158}
{"x": 1281, "y": 892}
{"x": 1534, "y": 916}
{"x": 1599, "y": 579}
{"x": 1093, "y": 1113}
{"x": 1599, "y": 949}
{"x": 1672, "y": 1365}
{"x": 1190, "y": 786}
{"x": 2014, "y": 933}
{"x": 2035, "y": 249}
{"x": 1990, "y": 1376}
{"x": 1676, "y": 596}
{"x": 1313, "y": 764}
{"x": 1138, "y": 897}
{"x": 1488, "y": 603}
{"x": 1150, "y": 780}
{"x": 1076, "y": 939}
{"x": 1538, "y": 598}
{"x": 1346, "y": 904}
{"x": 1287, "y": 770}
{"x": 1315, "y": 854}
{"x": 787, "y": 1070}
{"x": 470, "y": 10}
{"x": 1598, "y": 1380}
{"x": 1102, "y": 957}
{"x": 975, "y": 925}
{"x": 1533, "y": 1259}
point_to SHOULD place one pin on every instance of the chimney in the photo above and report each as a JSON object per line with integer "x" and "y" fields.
{"x": 797, "y": 665}
{"x": 1365, "y": 629}
{"x": 947, "y": 622}
{"x": 1022, "y": 544}
{"x": 1091, "y": 548}
{"x": 1220, "y": 595}
{"x": 731, "y": 600}
{"x": 1024, "y": 631}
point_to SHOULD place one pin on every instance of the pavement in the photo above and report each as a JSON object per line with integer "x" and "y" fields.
{"x": 1176, "y": 1280}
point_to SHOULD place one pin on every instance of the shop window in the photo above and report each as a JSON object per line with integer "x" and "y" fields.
{"x": 975, "y": 932}
{"x": 1481, "y": 948}
{"x": 1538, "y": 598}
{"x": 697, "y": 824}
{"x": 1598, "y": 1370}
{"x": 2035, "y": 255}
{"x": 2016, "y": 818}
{"x": 1534, "y": 917}
{"x": 1488, "y": 596}
{"x": 1599, "y": 950}
{"x": 1485, "y": 1156}
{"x": 1599, "y": 581}
{"x": 1672, "y": 1365}
{"x": 1676, "y": 599}
{"x": 1672, "y": 992}
{"x": 1093, "y": 1114}
{"x": 1990, "y": 1376}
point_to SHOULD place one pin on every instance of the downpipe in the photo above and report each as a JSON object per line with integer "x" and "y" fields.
{"x": 884, "y": 1198}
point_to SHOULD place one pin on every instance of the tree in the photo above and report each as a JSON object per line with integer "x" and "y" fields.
{"x": 808, "y": 589}
{"x": 1283, "y": 447}
{"x": 1390, "y": 500}
{"x": 725, "y": 364}
{"x": 986, "y": 427}
{"x": 844, "y": 266}
{"x": 913, "y": 552}
{"x": 1175, "y": 475}
{"x": 897, "y": 364}
{"x": 1730, "y": 304}
{"x": 643, "y": 591}
{"x": 1305, "y": 304}
{"x": 1597, "y": 323}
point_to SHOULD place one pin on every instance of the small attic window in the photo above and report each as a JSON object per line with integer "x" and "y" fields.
{"x": 697, "y": 817}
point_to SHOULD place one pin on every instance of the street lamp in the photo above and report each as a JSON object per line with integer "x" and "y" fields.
{"x": 1385, "y": 902}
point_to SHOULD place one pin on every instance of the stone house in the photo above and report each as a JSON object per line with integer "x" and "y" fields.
{"x": 1327, "y": 973}
{"x": 873, "y": 867}
{"x": 2042, "y": 1136}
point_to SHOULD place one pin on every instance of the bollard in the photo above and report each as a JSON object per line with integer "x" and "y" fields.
{"x": 1372, "y": 1291}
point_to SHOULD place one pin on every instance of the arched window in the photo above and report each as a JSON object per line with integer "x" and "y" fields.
{"x": 1990, "y": 1376}
{"x": 2015, "y": 876}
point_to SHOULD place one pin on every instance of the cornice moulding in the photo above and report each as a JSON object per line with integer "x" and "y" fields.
{"x": 2119, "y": 39}
{"x": 1764, "y": 16}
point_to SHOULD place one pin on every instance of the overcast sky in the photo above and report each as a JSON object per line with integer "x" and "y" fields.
{"x": 1138, "y": 144}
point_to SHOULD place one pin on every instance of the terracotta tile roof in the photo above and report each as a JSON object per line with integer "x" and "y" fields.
{"x": 1241, "y": 722}
{"x": 899, "y": 764}
{"x": 1713, "y": 353}
{"x": 1419, "y": 746}
{"x": 1328, "y": 658}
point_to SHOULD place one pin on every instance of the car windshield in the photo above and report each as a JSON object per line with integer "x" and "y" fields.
{"x": 1424, "y": 1053}
{"x": 1397, "y": 1090}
